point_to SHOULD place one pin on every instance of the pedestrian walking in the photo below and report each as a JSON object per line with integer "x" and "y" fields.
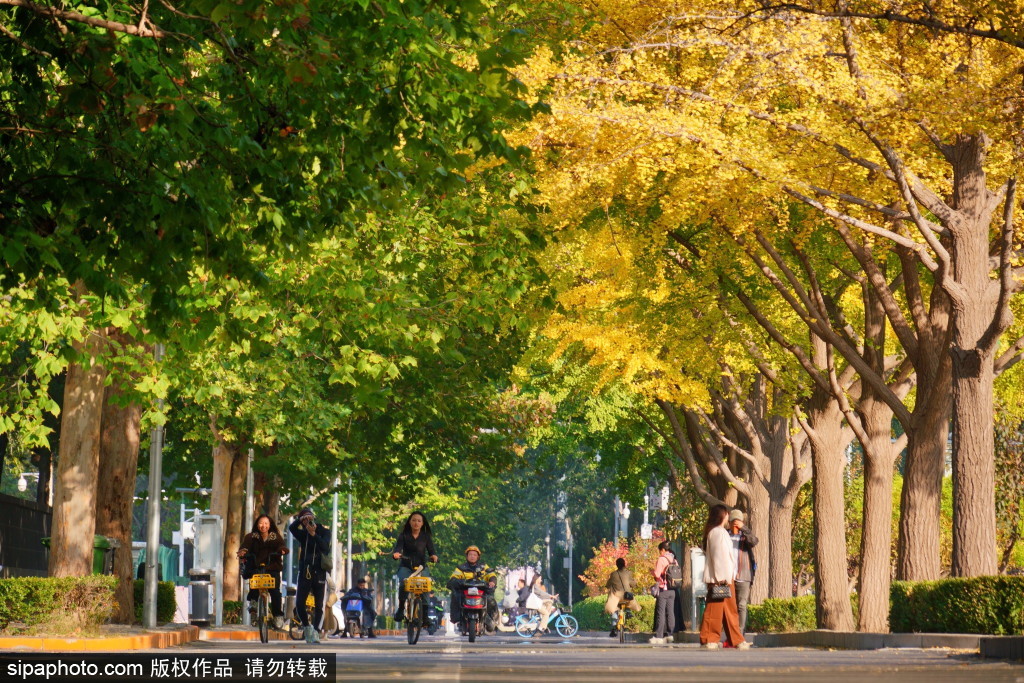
{"x": 314, "y": 541}
{"x": 743, "y": 543}
{"x": 665, "y": 598}
{"x": 720, "y": 579}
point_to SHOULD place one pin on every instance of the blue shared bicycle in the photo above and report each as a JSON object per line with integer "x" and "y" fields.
{"x": 564, "y": 624}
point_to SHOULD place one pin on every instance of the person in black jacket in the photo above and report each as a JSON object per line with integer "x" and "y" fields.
{"x": 314, "y": 541}
{"x": 415, "y": 545}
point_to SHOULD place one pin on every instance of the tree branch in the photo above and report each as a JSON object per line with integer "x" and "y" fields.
{"x": 69, "y": 15}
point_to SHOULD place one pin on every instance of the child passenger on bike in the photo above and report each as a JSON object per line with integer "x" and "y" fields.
{"x": 261, "y": 553}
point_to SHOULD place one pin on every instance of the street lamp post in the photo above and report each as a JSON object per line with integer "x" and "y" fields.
{"x": 156, "y": 446}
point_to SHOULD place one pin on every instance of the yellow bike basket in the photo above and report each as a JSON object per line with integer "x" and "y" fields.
{"x": 261, "y": 581}
{"x": 418, "y": 584}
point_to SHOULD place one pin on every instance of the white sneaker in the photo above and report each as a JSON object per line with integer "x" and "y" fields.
{"x": 656, "y": 641}
{"x": 745, "y": 645}
{"x": 710, "y": 646}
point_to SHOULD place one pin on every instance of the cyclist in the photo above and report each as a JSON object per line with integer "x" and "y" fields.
{"x": 619, "y": 584}
{"x": 465, "y": 571}
{"x": 264, "y": 546}
{"x": 414, "y": 546}
{"x": 547, "y": 602}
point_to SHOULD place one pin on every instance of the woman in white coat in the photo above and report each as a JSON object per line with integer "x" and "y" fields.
{"x": 720, "y": 568}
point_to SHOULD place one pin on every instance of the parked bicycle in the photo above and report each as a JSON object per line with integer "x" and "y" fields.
{"x": 565, "y": 625}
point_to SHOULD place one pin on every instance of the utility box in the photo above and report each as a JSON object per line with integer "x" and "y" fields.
{"x": 699, "y": 590}
{"x": 209, "y": 561}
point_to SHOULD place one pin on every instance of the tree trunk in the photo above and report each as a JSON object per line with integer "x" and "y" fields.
{"x": 974, "y": 312}
{"x": 119, "y": 454}
{"x": 223, "y": 455}
{"x": 74, "y": 495}
{"x": 921, "y": 498}
{"x": 832, "y": 588}
{"x": 272, "y": 501}
{"x": 974, "y": 506}
{"x": 918, "y": 554}
{"x": 233, "y": 526}
{"x": 759, "y": 524}
{"x": 876, "y": 538}
{"x": 780, "y": 549}
{"x": 875, "y": 418}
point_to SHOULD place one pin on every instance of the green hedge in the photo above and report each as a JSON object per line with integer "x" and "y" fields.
{"x": 782, "y": 615}
{"x": 985, "y": 604}
{"x": 592, "y": 617}
{"x": 788, "y": 615}
{"x": 165, "y": 603}
{"x": 55, "y": 606}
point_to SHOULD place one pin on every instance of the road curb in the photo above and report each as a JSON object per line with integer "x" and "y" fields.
{"x": 237, "y": 634}
{"x": 1002, "y": 647}
{"x": 844, "y": 640}
{"x": 143, "y": 641}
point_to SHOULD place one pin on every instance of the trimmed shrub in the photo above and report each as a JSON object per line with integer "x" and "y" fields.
{"x": 782, "y": 615}
{"x": 75, "y": 605}
{"x": 592, "y": 617}
{"x": 165, "y": 603}
{"x": 984, "y": 604}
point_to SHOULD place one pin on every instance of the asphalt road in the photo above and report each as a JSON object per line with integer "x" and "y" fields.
{"x": 600, "y": 659}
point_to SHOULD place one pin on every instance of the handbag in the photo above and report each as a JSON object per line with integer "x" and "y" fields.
{"x": 325, "y": 563}
{"x": 719, "y": 591}
{"x": 628, "y": 596}
{"x": 533, "y": 601}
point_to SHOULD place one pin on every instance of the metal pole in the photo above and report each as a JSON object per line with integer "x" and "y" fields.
{"x": 334, "y": 532}
{"x": 570, "y": 562}
{"x": 547, "y": 546}
{"x": 614, "y": 509}
{"x": 289, "y": 556}
{"x": 181, "y": 530}
{"x": 348, "y": 545}
{"x": 246, "y": 525}
{"x": 156, "y": 446}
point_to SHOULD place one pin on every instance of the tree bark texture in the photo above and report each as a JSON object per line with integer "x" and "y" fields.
{"x": 876, "y": 537}
{"x": 832, "y": 588}
{"x": 119, "y": 454}
{"x": 74, "y": 495}
{"x": 759, "y": 521}
{"x": 974, "y": 300}
{"x": 223, "y": 455}
{"x": 233, "y": 526}
{"x": 780, "y": 549}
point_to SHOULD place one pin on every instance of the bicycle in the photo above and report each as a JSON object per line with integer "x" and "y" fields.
{"x": 620, "y": 622}
{"x": 566, "y": 625}
{"x": 295, "y": 626}
{"x": 417, "y": 604}
{"x": 264, "y": 583}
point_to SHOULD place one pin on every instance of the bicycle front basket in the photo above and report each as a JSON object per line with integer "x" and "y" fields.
{"x": 418, "y": 584}
{"x": 261, "y": 581}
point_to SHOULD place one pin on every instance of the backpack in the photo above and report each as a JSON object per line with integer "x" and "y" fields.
{"x": 674, "y": 575}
